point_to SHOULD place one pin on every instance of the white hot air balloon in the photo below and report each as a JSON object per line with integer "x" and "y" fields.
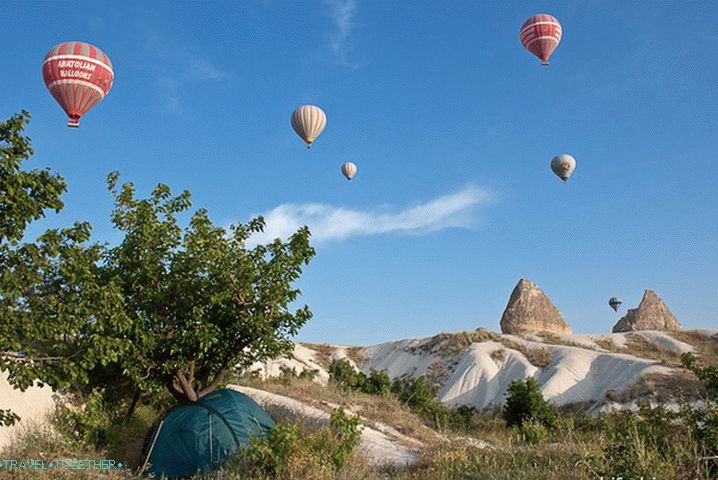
{"x": 349, "y": 170}
{"x": 563, "y": 166}
{"x": 308, "y": 121}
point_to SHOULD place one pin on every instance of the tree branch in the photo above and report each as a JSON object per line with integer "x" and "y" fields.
{"x": 215, "y": 383}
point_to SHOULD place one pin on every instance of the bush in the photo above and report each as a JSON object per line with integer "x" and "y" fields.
{"x": 533, "y": 432}
{"x": 345, "y": 376}
{"x": 287, "y": 374}
{"x": 91, "y": 425}
{"x": 377, "y": 383}
{"x": 416, "y": 392}
{"x": 288, "y": 451}
{"x": 525, "y": 402}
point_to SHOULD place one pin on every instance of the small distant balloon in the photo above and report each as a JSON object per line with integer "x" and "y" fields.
{"x": 349, "y": 170}
{"x": 615, "y": 303}
{"x": 79, "y": 76}
{"x": 309, "y": 122}
{"x": 563, "y": 166}
{"x": 540, "y": 35}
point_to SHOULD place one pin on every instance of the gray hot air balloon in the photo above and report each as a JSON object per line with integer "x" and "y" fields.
{"x": 615, "y": 303}
{"x": 308, "y": 121}
{"x": 563, "y": 166}
{"x": 349, "y": 170}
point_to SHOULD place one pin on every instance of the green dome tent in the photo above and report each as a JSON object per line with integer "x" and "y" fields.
{"x": 200, "y": 436}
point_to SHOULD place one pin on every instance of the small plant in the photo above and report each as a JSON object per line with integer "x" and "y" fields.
{"x": 345, "y": 376}
{"x": 533, "y": 432}
{"x": 89, "y": 425}
{"x": 525, "y": 402}
{"x": 289, "y": 452}
{"x": 377, "y": 383}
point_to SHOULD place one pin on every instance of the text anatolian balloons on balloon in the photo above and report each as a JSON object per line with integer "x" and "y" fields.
{"x": 309, "y": 122}
{"x": 79, "y": 76}
{"x": 540, "y": 35}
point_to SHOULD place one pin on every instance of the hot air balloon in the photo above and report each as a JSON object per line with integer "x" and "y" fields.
{"x": 349, "y": 170}
{"x": 78, "y": 75}
{"x": 308, "y": 121}
{"x": 541, "y": 35}
{"x": 563, "y": 166}
{"x": 615, "y": 303}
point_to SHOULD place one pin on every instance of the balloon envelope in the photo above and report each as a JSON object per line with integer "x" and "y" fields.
{"x": 309, "y": 122}
{"x": 79, "y": 76}
{"x": 541, "y": 35}
{"x": 615, "y": 303}
{"x": 563, "y": 166}
{"x": 349, "y": 170}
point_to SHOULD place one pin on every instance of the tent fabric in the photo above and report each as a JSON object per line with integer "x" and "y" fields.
{"x": 200, "y": 436}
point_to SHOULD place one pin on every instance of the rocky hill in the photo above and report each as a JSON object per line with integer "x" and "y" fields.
{"x": 531, "y": 311}
{"x": 476, "y": 368}
{"x": 651, "y": 314}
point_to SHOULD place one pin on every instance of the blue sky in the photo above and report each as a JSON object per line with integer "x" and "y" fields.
{"x": 452, "y": 125}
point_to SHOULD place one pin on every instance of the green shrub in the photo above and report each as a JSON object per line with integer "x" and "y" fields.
{"x": 377, "y": 383}
{"x": 91, "y": 425}
{"x": 287, "y": 374}
{"x": 288, "y": 451}
{"x": 416, "y": 392}
{"x": 525, "y": 402}
{"x": 345, "y": 376}
{"x": 533, "y": 432}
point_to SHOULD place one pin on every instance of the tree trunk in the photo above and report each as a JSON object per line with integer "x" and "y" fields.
{"x": 135, "y": 401}
{"x": 187, "y": 389}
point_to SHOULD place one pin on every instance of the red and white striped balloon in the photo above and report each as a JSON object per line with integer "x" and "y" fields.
{"x": 541, "y": 35}
{"x": 78, "y": 75}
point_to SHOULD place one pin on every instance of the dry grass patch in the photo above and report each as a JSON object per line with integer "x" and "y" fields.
{"x": 452, "y": 344}
{"x": 537, "y": 356}
{"x": 662, "y": 388}
{"x": 44, "y": 442}
{"x": 609, "y": 345}
{"x": 323, "y": 353}
{"x": 556, "y": 340}
{"x": 641, "y": 347}
{"x": 436, "y": 372}
{"x": 706, "y": 346}
{"x": 373, "y": 408}
{"x": 356, "y": 355}
{"x": 498, "y": 355}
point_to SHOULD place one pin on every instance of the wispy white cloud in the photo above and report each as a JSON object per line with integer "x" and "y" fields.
{"x": 340, "y": 44}
{"x": 331, "y": 223}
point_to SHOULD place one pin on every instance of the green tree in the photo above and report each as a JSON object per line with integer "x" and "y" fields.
{"x": 417, "y": 392}
{"x": 345, "y": 376}
{"x": 377, "y": 383}
{"x": 52, "y": 307}
{"x": 199, "y": 300}
{"x": 525, "y": 402}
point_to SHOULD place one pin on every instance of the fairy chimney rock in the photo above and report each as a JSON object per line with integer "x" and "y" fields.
{"x": 651, "y": 314}
{"x": 530, "y": 311}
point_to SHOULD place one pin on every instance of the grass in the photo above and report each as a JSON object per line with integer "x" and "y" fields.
{"x": 45, "y": 442}
{"x": 323, "y": 355}
{"x": 537, "y": 356}
{"x": 450, "y": 345}
{"x": 639, "y": 346}
{"x": 379, "y": 409}
{"x": 556, "y": 340}
{"x": 661, "y": 388}
{"x": 581, "y": 447}
{"x": 706, "y": 346}
{"x": 356, "y": 355}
